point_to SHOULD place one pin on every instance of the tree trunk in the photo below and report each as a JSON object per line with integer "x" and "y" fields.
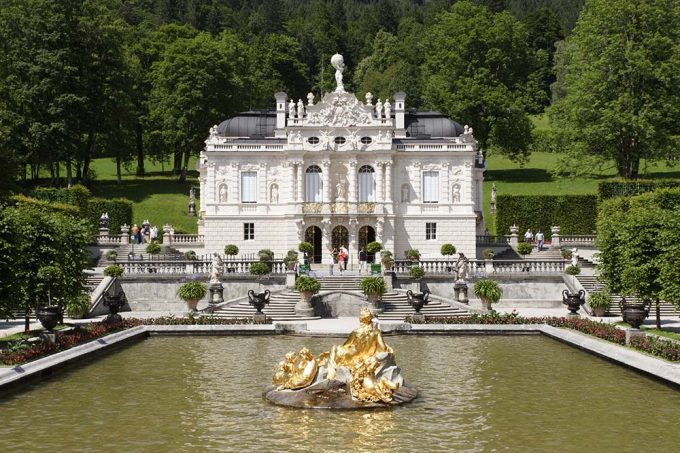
{"x": 658, "y": 314}
{"x": 27, "y": 322}
{"x": 118, "y": 174}
{"x": 185, "y": 167}
{"x": 79, "y": 172}
{"x": 177, "y": 165}
{"x": 91, "y": 143}
{"x": 69, "y": 173}
{"x": 140, "y": 149}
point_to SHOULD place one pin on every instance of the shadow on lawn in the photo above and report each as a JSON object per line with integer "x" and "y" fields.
{"x": 527, "y": 175}
{"x": 137, "y": 190}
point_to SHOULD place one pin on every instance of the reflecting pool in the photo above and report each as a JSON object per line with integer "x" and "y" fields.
{"x": 477, "y": 393}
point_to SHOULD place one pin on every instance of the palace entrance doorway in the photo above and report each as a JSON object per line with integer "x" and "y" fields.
{"x": 340, "y": 238}
{"x": 313, "y": 236}
{"x": 366, "y": 236}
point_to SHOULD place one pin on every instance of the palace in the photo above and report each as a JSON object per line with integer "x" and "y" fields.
{"x": 341, "y": 172}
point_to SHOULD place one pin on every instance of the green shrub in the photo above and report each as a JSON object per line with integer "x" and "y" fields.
{"x": 574, "y": 214}
{"x": 76, "y": 307}
{"x": 412, "y": 254}
{"x": 307, "y": 284}
{"x": 386, "y": 259}
{"x": 77, "y": 195}
{"x": 291, "y": 257}
{"x": 259, "y": 269}
{"x": 566, "y": 254}
{"x": 374, "y": 247}
{"x": 192, "y": 291}
{"x": 265, "y": 255}
{"x": 448, "y": 249}
{"x": 524, "y": 248}
{"x": 305, "y": 247}
{"x": 416, "y": 272}
{"x": 488, "y": 254}
{"x": 111, "y": 255}
{"x": 230, "y": 250}
{"x": 153, "y": 249}
{"x": 34, "y": 203}
{"x": 489, "y": 290}
{"x": 600, "y": 299}
{"x": 620, "y": 187}
{"x": 372, "y": 285}
{"x": 572, "y": 270}
{"x": 113, "y": 270}
{"x": 190, "y": 255}
{"x": 119, "y": 209}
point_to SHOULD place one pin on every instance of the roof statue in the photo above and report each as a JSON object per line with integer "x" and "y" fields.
{"x": 339, "y": 64}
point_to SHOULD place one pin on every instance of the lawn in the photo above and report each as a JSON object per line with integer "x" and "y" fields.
{"x": 161, "y": 199}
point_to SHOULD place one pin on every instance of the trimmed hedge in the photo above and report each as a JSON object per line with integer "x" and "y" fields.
{"x": 119, "y": 209}
{"x": 574, "y": 214}
{"x": 76, "y": 195}
{"x": 625, "y": 187}
{"x": 61, "y": 208}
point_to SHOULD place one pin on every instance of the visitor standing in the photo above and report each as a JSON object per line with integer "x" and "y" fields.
{"x": 539, "y": 240}
{"x": 346, "y": 252}
{"x": 363, "y": 260}
{"x": 528, "y": 236}
{"x": 341, "y": 260}
{"x": 135, "y": 234}
{"x": 330, "y": 259}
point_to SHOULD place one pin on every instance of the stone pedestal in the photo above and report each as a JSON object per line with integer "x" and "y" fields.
{"x": 124, "y": 234}
{"x": 259, "y": 318}
{"x": 555, "y": 237}
{"x": 389, "y": 285}
{"x": 488, "y": 266}
{"x": 304, "y": 305}
{"x": 290, "y": 279}
{"x": 571, "y": 315}
{"x": 460, "y": 289}
{"x": 166, "y": 234}
{"x": 216, "y": 293}
{"x": 104, "y": 232}
{"x": 418, "y": 318}
{"x": 192, "y": 208}
{"x": 634, "y": 333}
{"x": 514, "y": 236}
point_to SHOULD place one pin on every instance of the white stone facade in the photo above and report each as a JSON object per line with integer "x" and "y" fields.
{"x": 340, "y": 163}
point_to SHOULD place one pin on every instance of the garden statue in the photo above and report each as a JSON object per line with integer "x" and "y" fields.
{"x": 359, "y": 373}
{"x": 388, "y": 110}
{"x": 216, "y": 268}
{"x": 310, "y": 98}
{"x": 455, "y": 194}
{"x": 574, "y": 256}
{"x": 493, "y": 196}
{"x": 300, "y": 109}
{"x": 369, "y": 99}
{"x": 339, "y": 64}
{"x": 378, "y": 109}
{"x": 291, "y": 109}
{"x": 223, "y": 193}
{"x": 104, "y": 220}
{"x": 340, "y": 191}
{"x": 462, "y": 267}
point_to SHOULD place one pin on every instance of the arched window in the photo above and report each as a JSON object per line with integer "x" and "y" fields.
{"x": 313, "y": 185}
{"x": 366, "y": 184}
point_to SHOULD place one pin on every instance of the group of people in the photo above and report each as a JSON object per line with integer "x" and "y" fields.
{"x": 341, "y": 256}
{"x": 529, "y": 238}
{"x": 147, "y": 233}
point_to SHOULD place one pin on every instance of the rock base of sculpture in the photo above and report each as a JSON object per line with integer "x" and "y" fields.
{"x": 331, "y": 394}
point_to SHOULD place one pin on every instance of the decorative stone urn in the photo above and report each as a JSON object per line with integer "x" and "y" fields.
{"x": 259, "y": 300}
{"x": 573, "y": 301}
{"x": 49, "y": 316}
{"x": 417, "y": 300}
{"x": 304, "y": 306}
{"x": 634, "y": 312}
{"x": 114, "y": 303}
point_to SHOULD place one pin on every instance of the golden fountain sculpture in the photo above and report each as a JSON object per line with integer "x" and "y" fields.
{"x": 364, "y": 365}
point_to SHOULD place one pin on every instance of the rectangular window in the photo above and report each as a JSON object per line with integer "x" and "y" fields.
{"x": 248, "y": 231}
{"x": 430, "y": 230}
{"x": 249, "y": 187}
{"x": 430, "y": 187}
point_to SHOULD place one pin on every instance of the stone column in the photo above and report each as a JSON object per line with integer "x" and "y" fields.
{"x": 353, "y": 246}
{"x": 555, "y": 237}
{"x": 125, "y": 235}
{"x": 300, "y": 168}
{"x": 326, "y": 177}
{"x": 235, "y": 195}
{"x": 446, "y": 193}
{"x": 380, "y": 195}
{"x": 388, "y": 182}
{"x": 291, "y": 196}
{"x": 325, "y": 236}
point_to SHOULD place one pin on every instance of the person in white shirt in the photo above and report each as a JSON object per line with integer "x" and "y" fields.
{"x": 539, "y": 240}
{"x": 528, "y": 236}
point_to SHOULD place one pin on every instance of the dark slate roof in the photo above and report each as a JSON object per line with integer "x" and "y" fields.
{"x": 261, "y": 123}
{"x": 252, "y": 124}
{"x": 430, "y": 124}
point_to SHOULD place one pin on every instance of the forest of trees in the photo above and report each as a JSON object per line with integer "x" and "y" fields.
{"x": 140, "y": 79}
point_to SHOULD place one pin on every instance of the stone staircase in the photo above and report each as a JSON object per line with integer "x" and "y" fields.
{"x": 547, "y": 254}
{"x": 590, "y": 284}
{"x": 167, "y": 252}
{"x": 92, "y": 282}
{"x": 397, "y": 308}
{"x": 281, "y": 308}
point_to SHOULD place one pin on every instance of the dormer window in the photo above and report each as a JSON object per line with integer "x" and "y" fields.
{"x": 313, "y": 140}
{"x": 366, "y": 140}
{"x": 340, "y": 140}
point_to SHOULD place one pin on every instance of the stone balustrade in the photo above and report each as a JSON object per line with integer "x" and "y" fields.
{"x": 486, "y": 239}
{"x": 185, "y": 267}
{"x": 482, "y": 268}
{"x": 187, "y": 239}
{"x": 582, "y": 240}
{"x": 108, "y": 239}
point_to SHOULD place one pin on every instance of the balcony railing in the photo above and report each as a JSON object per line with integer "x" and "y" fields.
{"x": 481, "y": 268}
{"x": 187, "y": 267}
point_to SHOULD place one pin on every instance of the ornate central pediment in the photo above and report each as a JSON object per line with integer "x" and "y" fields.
{"x": 339, "y": 110}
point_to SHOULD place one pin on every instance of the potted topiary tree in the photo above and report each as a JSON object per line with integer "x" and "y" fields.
{"x": 307, "y": 286}
{"x": 373, "y": 248}
{"x": 259, "y": 269}
{"x": 599, "y": 301}
{"x": 488, "y": 292}
{"x": 387, "y": 260}
{"x": 291, "y": 259}
{"x": 190, "y": 256}
{"x": 111, "y": 255}
{"x": 113, "y": 270}
{"x": 416, "y": 272}
{"x": 524, "y": 248}
{"x": 153, "y": 249}
{"x": 191, "y": 293}
{"x": 230, "y": 250}
{"x": 572, "y": 270}
{"x": 448, "y": 250}
{"x": 412, "y": 254}
{"x": 374, "y": 288}
{"x": 566, "y": 254}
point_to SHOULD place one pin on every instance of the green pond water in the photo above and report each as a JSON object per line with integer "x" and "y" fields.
{"x": 491, "y": 393}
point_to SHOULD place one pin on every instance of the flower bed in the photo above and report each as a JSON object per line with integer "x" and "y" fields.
{"x": 22, "y": 352}
{"x": 659, "y": 347}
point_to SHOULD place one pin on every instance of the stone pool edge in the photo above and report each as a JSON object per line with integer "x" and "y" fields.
{"x": 655, "y": 367}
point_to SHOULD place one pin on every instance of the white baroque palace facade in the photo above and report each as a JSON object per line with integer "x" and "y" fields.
{"x": 341, "y": 172}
